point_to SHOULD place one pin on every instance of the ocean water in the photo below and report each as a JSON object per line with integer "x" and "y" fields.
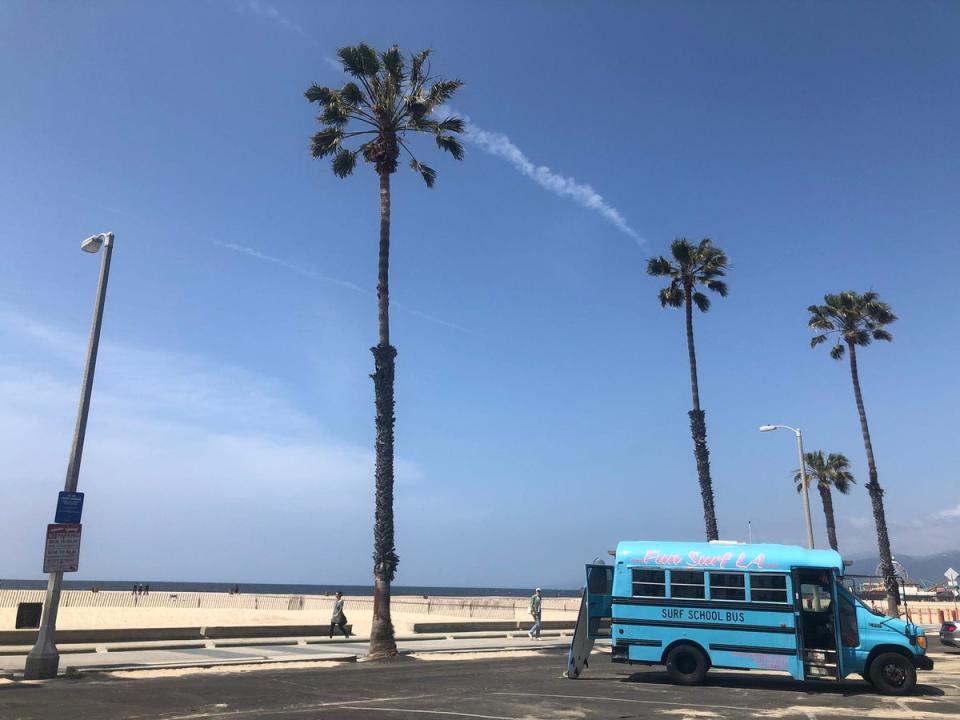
{"x": 279, "y": 589}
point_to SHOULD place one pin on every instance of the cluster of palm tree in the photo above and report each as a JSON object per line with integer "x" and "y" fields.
{"x": 375, "y": 116}
{"x": 850, "y": 319}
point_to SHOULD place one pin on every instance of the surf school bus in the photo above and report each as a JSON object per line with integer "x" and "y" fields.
{"x": 693, "y": 606}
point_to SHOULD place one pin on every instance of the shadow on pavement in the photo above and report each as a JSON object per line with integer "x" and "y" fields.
{"x": 846, "y": 688}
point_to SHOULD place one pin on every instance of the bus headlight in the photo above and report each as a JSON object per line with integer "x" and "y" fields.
{"x": 922, "y": 641}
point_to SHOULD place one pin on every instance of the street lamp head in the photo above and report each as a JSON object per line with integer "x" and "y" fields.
{"x": 93, "y": 243}
{"x": 767, "y": 428}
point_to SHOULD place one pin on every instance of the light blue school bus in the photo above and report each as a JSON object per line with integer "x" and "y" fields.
{"x": 693, "y": 606}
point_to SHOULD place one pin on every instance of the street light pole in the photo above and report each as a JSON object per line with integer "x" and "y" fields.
{"x": 803, "y": 476}
{"x": 43, "y": 661}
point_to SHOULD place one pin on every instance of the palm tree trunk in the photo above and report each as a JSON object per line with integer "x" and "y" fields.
{"x": 382, "y": 642}
{"x": 698, "y": 427}
{"x": 827, "y": 500}
{"x": 876, "y": 493}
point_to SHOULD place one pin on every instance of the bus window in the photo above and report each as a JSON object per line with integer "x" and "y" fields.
{"x": 727, "y": 586}
{"x": 814, "y": 598}
{"x": 686, "y": 584}
{"x": 768, "y": 588}
{"x": 649, "y": 583}
{"x": 849, "y": 632}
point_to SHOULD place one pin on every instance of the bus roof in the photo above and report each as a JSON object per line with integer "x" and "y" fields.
{"x": 724, "y": 556}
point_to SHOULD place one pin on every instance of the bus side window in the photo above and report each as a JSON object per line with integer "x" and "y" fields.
{"x": 849, "y": 631}
{"x": 768, "y": 588}
{"x": 686, "y": 584}
{"x": 727, "y": 586}
{"x": 649, "y": 583}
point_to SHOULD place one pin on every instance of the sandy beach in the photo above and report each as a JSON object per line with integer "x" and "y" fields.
{"x": 117, "y": 609}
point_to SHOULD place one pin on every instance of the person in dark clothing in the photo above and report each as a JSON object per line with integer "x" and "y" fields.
{"x": 338, "y": 619}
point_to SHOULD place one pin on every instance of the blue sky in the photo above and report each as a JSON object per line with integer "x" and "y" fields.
{"x": 541, "y": 390}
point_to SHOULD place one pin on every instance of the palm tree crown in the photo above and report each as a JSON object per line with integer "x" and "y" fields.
{"x": 692, "y": 265}
{"x": 855, "y": 319}
{"x": 388, "y": 102}
{"x": 830, "y": 473}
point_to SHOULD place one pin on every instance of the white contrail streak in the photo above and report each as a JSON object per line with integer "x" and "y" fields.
{"x": 501, "y": 146}
{"x": 313, "y": 274}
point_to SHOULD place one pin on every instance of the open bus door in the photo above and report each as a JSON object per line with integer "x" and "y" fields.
{"x": 593, "y": 621}
{"x": 817, "y": 623}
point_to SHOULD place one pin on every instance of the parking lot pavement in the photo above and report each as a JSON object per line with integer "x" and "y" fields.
{"x": 495, "y": 688}
{"x": 233, "y": 652}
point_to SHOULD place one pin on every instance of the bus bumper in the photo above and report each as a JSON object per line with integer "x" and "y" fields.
{"x": 923, "y": 662}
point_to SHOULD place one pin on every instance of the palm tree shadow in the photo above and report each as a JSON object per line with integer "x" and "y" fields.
{"x": 746, "y": 681}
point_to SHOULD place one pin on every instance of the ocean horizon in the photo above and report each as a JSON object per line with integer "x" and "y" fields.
{"x": 286, "y": 588}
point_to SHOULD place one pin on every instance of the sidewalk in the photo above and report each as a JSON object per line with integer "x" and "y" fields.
{"x": 159, "y": 654}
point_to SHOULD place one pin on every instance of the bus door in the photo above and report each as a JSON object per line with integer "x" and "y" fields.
{"x": 815, "y": 608}
{"x": 599, "y": 599}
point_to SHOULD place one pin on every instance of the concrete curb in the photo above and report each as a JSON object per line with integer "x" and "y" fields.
{"x": 202, "y": 664}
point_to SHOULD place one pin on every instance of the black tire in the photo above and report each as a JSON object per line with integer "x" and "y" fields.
{"x": 893, "y": 674}
{"x": 686, "y": 665}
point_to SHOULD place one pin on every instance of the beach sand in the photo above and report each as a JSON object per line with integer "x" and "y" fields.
{"x": 317, "y": 610}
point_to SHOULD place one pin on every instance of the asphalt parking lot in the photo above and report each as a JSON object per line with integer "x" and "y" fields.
{"x": 495, "y": 688}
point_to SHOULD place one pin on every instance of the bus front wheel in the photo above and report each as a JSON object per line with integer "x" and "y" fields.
{"x": 686, "y": 665}
{"x": 893, "y": 674}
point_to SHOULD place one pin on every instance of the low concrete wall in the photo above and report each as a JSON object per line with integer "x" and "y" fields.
{"x": 261, "y": 631}
{"x": 481, "y": 626}
{"x": 110, "y": 635}
{"x": 29, "y": 637}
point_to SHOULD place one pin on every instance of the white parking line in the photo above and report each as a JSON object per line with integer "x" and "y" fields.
{"x": 290, "y": 710}
{"x": 436, "y": 712}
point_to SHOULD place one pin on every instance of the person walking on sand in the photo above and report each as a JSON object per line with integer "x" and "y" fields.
{"x": 338, "y": 619}
{"x": 536, "y": 602}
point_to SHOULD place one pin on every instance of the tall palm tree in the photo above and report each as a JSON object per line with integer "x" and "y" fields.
{"x": 829, "y": 473}
{"x": 694, "y": 266}
{"x": 388, "y": 105}
{"x": 854, "y": 321}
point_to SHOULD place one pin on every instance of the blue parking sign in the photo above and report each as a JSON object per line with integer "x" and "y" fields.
{"x": 69, "y": 507}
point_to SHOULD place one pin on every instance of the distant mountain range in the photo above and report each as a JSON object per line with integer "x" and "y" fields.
{"x": 925, "y": 567}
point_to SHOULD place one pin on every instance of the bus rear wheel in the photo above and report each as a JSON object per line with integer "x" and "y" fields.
{"x": 686, "y": 665}
{"x": 893, "y": 674}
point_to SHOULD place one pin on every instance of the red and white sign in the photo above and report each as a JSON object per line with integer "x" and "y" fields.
{"x": 62, "y": 553}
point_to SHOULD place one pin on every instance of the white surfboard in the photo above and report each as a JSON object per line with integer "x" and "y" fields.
{"x": 582, "y": 644}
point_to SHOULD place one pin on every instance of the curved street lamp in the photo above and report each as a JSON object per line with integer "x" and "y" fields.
{"x": 803, "y": 475}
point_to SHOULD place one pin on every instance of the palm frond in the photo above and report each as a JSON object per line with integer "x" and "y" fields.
{"x": 882, "y": 335}
{"x": 452, "y": 124}
{"x": 718, "y": 286}
{"x": 361, "y": 60}
{"x": 353, "y": 95}
{"x": 343, "y": 163}
{"x": 417, "y": 76}
{"x": 441, "y": 91}
{"x": 682, "y": 252}
{"x": 393, "y": 63}
{"x": 326, "y": 142}
{"x": 428, "y": 173}
{"x": 671, "y": 296}
{"x": 335, "y": 113}
{"x": 318, "y": 94}
{"x": 451, "y": 145}
{"x": 817, "y": 340}
{"x": 701, "y": 301}
{"x": 659, "y": 266}
{"x": 836, "y": 352}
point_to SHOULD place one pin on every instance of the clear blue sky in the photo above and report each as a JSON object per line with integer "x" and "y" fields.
{"x": 542, "y": 393}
